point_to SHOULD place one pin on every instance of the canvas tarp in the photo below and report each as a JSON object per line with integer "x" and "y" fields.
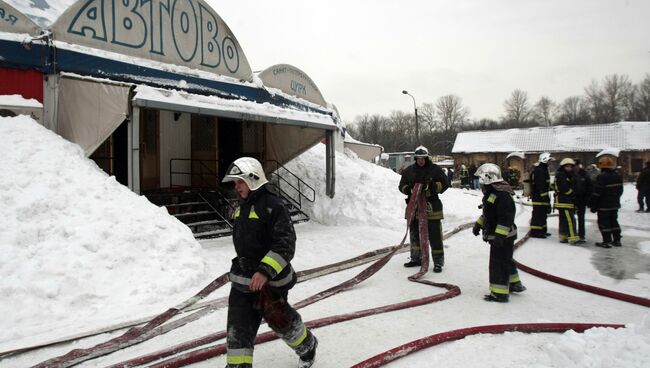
{"x": 285, "y": 142}
{"x": 89, "y": 112}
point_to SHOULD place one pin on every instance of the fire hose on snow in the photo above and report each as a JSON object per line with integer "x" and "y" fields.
{"x": 156, "y": 327}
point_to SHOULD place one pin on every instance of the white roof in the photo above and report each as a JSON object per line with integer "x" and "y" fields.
{"x": 42, "y": 12}
{"x": 626, "y": 136}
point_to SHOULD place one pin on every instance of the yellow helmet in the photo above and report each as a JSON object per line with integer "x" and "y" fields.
{"x": 607, "y": 162}
{"x": 567, "y": 161}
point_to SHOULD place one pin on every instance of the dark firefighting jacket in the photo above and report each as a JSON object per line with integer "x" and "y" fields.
{"x": 435, "y": 182}
{"x": 541, "y": 185}
{"x": 608, "y": 189}
{"x": 643, "y": 181}
{"x": 265, "y": 241}
{"x": 498, "y": 218}
{"x": 564, "y": 185}
{"x": 584, "y": 188}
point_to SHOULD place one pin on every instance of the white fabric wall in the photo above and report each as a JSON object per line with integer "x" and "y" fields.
{"x": 89, "y": 112}
{"x": 175, "y": 142}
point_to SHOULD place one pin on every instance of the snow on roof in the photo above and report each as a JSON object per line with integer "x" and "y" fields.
{"x": 250, "y": 108}
{"x": 627, "y": 136}
{"x": 43, "y": 12}
{"x": 18, "y": 100}
{"x": 349, "y": 139}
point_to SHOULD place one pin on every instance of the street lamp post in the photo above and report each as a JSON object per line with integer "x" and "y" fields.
{"x": 415, "y": 106}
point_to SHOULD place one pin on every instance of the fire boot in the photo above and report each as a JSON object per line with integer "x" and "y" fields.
{"x": 413, "y": 263}
{"x": 309, "y": 358}
{"x": 499, "y": 298}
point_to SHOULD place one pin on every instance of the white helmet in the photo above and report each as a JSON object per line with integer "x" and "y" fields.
{"x": 421, "y": 151}
{"x": 545, "y": 157}
{"x": 247, "y": 169}
{"x": 488, "y": 173}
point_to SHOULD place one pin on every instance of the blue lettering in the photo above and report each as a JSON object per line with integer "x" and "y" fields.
{"x": 230, "y": 53}
{"x": 129, "y": 27}
{"x": 90, "y": 19}
{"x": 210, "y": 51}
{"x": 185, "y": 31}
{"x": 298, "y": 87}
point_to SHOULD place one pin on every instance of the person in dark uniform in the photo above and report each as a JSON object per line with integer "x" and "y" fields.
{"x": 606, "y": 200}
{"x": 565, "y": 196}
{"x": 643, "y": 188}
{"x": 541, "y": 187}
{"x": 584, "y": 187}
{"x": 261, "y": 273}
{"x": 435, "y": 182}
{"x": 497, "y": 222}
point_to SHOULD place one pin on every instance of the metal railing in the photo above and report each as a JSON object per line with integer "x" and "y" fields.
{"x": 293, "y": 188}
{"x": 208, "y": 177}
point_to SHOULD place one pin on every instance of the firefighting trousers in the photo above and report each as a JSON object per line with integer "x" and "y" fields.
{"x": 245, "y": 313}
{"x": 503, "y": 271}
{"x": 580, "y": 214}
{"x": 567, "y": 225}
{"x": 435, "y": 241}
{"x": 538, "y": 221}
{"x": 608, "y": 225}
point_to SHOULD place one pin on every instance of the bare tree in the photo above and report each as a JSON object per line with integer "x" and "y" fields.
{"x": 607, "y": 104}
{"x": 573, "y": 111}
{"x": 517, "y": 109}
{"x": 643, "y": 99}
{"x": 451, "y": 113}
{"x": 545, "y": 111}
{"x": 427, "y": 117}
{"x": 402, "y": 131}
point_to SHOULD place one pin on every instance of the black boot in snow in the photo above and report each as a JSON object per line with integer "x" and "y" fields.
{"x": 499, "y": 298}
{"x": 604, "y": 244}
{"x": 616, "y": 243}
{"x": 437, "y": 268}
{"x": 309, "y": 358}
{"x": 517, "y": 288}
{"x": 413, "y": 263}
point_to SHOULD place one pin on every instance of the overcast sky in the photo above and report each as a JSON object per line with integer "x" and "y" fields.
{"x": 363, "y": 53}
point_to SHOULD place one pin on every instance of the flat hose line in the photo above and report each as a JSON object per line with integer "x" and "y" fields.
{"x": 210, "y": 352}
{"x": 433, "y": 340}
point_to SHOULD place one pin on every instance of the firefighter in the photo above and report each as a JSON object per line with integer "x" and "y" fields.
{"x": 606, "y": 200}
{"x": 261, "y": 273}
{"x": 643, "y": 188}
{"x": 583, "y": 187}
{"x": 541, "y": 187}
{"x": 565, "y": 196}
{"x": 498, "y": 226}
{"x": 464, "y": 176}
{"x": 435, "y": 182}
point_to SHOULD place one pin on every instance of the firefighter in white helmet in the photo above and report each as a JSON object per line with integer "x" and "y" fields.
{"x": 261, "y": 273}
{"x": 565, "y": 196}
{"x": 497, "y": 223}
{"x": 435, "y": 182}
{"x": 541, "y": 187}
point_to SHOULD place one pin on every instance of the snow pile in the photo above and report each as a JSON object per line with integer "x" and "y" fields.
{"x": 358, "y": 186}
{"x": 603, "y": 347}
{"x": 368, "y": 194}
{"x": 73, "y": 239}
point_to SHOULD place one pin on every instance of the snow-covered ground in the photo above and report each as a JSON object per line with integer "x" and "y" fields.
{"x": 78, "y": 252}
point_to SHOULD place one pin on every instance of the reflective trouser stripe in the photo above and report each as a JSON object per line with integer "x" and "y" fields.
{"x": 438, "y": 187}
{"x": 534, "y": 227}
{"x": 571, "y": 225}
{"x": 514, "y": 278}
{"x": 541, "y": 204}
{"x": 564, "y": 205}
{"x": 499, "y": 289}
{"x": 481, "y": 221}
{"x": 300, "y": 339}
{"x": 240, "y": 356}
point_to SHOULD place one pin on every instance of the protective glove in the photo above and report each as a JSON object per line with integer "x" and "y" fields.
{"x": 593, "y": 209}
{"x": 549, "y": 209}
{"x": 407, "y": 191}
{"x": 498, "y": 241}
{"x": 476, "y": 230}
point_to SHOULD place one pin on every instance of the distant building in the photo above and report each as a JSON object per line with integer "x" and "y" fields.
{"x": 581, "y": 141}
